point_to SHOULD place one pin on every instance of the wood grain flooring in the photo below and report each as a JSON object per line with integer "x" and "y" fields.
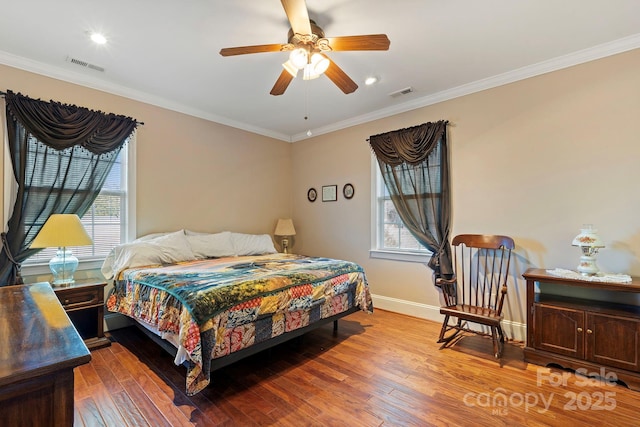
{"x": 383, "y": 369}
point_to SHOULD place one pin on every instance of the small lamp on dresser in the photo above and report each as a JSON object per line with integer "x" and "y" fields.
{"x": 589, "y": 243}
{"x": 62, "y": 231}
{"x": 285, "y": 230}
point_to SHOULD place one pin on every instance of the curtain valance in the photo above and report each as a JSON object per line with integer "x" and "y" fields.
{"x": 411, "y": 145}
{"x": 61, "y": 126}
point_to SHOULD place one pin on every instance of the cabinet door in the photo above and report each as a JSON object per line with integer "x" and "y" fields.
{"x": 613, "y": 341}
{"x": 559, "y": 330}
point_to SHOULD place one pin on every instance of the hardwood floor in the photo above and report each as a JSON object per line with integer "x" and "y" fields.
{"x": 383, "y": 369}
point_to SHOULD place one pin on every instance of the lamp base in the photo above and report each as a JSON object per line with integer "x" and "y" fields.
{"x": 587, "y": 266}
{"x": 62, "y": 266}
{"x": 285, "y": 245}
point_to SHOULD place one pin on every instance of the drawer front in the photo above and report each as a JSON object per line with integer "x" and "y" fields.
{"x": 77, "y": 298}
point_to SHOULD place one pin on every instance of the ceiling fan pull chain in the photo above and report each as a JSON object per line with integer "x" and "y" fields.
{"x": 306, "y": 106}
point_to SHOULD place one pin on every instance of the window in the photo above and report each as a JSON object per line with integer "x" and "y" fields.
{"x": 106, "y": 220}
{"x": 390, "y": 238}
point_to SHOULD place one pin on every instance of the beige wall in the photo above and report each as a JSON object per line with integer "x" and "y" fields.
{"x": 534, "y": 159}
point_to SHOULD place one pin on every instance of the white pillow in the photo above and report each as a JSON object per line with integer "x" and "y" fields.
{"x": 252, "y": 244}
{"x": 167, "y": 249}
{"x": 211, "y": 245}
{"x": 152, "y": 236}
{"x": 195, "y": 233}
{"x": 175, "y": 246}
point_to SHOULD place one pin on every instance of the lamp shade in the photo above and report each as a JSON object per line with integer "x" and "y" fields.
{"x": 291, "y": 68}
{"x": 589, "y": 243}
{"x": 299, "y": 57}
{"x": 320, "y": 63}
{"x": 588, "y": 237}
{"x": 285, "y": 228}
{"x": 61, "y": 230}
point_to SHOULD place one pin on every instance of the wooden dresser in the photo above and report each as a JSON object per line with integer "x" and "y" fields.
{"x": 594, "y": 335}
{"x": 39, "y": 348}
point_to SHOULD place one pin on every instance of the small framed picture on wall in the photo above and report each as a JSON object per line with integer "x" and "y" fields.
{"x": 329, "y": 193}
{"x": 312, "y": 195}
{"x": 348, "y": 191}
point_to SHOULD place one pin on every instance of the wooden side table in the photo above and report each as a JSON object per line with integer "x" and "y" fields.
{"x": 577, "y": 333}
{"x": 40, "y": 349}
{"x": 84, "y": 303}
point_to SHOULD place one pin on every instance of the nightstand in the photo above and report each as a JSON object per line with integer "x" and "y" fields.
{"x": 84, "y": 303}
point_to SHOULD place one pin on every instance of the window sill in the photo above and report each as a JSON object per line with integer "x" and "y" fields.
{"x": 43, "y": 268}
{"x": 422, "y": 257}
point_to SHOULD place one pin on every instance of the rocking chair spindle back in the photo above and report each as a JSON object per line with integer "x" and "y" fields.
{"x": 477, "y": 291}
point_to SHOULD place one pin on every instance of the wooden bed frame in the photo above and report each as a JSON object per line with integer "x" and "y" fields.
{"x": 223, "y": 361}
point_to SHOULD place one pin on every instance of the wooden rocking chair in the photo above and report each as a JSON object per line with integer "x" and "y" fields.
{"x": 476, "y": 292}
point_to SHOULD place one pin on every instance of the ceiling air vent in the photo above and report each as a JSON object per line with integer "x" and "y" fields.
{"x": 85, "y": 64}
{"x": 401, "y": 92}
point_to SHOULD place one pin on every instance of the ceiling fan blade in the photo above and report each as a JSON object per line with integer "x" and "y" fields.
{"x": 243, "y": 50}
{"x": 282, "y": 83}
{"x": 297, "y": 15}
{"x": 340, "y": 78}
{"x": 368, "y": 42}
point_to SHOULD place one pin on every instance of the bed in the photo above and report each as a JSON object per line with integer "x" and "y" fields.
{"x": 211, "y": 299}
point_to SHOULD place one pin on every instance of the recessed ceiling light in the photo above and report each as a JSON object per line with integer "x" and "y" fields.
{"x": 371, "y": 80}
{"x": 98, "y": 38}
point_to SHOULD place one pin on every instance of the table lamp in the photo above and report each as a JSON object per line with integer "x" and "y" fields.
{"x": 589, "y": 243}
{"x": 285, "y": 230}
{"x": 61, "y": 231}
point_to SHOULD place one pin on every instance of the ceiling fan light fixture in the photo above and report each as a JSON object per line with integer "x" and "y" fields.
{"x": 304, "y": 39}
{"x": 291, "y": 68}
{"x": 309, "y": 73}
{"x": 316, "y": 66}
{"x": 319, "y": 63}
{"x": 298, "y": 57}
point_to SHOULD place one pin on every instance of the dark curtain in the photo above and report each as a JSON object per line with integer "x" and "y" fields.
{"x": 415, "y": 167}
{"x": 61, "y": 155}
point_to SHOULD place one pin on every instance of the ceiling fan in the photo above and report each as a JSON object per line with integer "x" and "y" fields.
{"x": 308, "y": 46}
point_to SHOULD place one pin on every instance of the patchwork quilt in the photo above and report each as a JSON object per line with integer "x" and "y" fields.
{"x": 221, "y": 305}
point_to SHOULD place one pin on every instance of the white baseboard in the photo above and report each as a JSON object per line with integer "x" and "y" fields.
{"x": 513, "y": 330}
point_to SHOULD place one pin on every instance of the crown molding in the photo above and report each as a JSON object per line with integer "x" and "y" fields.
{"x": 555, "y": 64}
{"x": 575, "y": 58}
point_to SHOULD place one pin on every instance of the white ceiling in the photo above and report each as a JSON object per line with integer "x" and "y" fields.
{"x": 165, "y": 52}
